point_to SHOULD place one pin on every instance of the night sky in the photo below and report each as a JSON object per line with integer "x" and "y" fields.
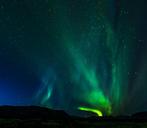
{"x": 74, "y": 55}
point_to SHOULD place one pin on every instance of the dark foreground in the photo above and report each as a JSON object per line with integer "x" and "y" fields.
{"x": 33, "y": 117}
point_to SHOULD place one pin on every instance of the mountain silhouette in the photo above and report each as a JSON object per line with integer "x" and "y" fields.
{"x": 31, "y": 112}
{"x": 35, "y": 116}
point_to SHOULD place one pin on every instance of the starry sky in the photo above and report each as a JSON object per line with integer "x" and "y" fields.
{"x": 74, "y": 55}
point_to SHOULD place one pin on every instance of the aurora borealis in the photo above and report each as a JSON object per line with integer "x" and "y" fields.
{"x": 74, "y": 55}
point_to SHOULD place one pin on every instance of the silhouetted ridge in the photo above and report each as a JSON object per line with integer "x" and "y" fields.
{"x": 140, "y": 115}
{"x": 31, "y": 112}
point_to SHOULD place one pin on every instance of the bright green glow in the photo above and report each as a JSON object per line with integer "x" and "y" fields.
{"x": 89, "y": 82}
{"x": 92, "y": 93}
{"x": 98, "y": 112}
{"x": 98, "y": 98}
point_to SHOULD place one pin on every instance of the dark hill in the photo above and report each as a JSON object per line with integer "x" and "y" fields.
{"x": 140, "y": 115}
{"x": 31, "y": 112}
{"x": 34, "y": 116}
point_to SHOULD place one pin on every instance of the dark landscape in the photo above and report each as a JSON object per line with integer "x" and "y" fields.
{"x": 33, "y": 116}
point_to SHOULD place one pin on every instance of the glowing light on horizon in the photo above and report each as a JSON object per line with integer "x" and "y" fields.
{"x": 98, "y": 112}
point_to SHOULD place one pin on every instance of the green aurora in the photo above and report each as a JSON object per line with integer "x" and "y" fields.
{"x": 80, "y": 56}
{"x": 96, "y": 52}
